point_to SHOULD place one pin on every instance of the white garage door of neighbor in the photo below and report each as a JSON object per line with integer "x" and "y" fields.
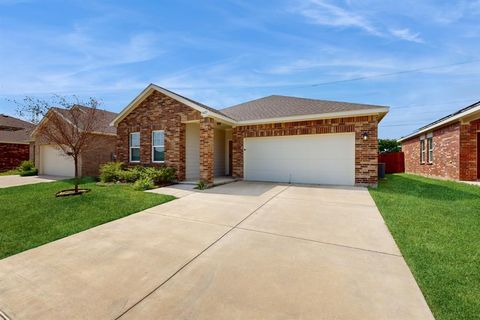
{"x": 316, "y": 159}
{"x": 54, "y": 162}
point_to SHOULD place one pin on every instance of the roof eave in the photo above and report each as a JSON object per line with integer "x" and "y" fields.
{"x": 381, "y": 112}
{"x": 447, "y": 121}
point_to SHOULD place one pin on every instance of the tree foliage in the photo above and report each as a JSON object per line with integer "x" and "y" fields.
{"x": 65, "y": 122}
{"x": 389, "y": 145}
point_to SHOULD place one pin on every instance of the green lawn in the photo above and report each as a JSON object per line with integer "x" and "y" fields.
{"x": 31, "y": 215}
{"x": 436, "y": 224}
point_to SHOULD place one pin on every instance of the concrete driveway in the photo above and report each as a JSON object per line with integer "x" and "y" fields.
{"x": 238, "y": 251}
{"x": 16, "y": 180}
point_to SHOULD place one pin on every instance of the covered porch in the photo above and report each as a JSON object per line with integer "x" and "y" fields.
{"x": 208, "y": 151}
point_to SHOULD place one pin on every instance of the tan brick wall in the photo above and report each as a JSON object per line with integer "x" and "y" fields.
{"x": 12, "y": 154}
{"x": 206, "y": 149}
{"x": 100, "y": 151}
{"x": 157, "y": 112}
{"x": 366, "y": 152}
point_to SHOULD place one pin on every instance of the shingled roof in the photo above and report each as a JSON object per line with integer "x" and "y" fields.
{"x": 276, "y": 106}
{"x": 104, "y": 117}
{"x": 13, "y": 130}
{"x": 271, "y": 108}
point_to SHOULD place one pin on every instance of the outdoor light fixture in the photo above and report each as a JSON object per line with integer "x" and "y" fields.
{"x": 365, "y": 136}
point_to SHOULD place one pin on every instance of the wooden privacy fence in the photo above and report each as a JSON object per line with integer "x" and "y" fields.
{"x": 394, "y": 162}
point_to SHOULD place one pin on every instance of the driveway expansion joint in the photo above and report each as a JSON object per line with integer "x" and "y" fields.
{"x": 320, "y": 242}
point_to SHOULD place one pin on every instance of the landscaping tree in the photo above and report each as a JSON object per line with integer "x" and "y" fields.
{"x": 388, "y": 145}
{"x": 69, "y": 124}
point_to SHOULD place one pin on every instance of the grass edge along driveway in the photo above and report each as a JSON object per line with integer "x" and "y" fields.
{"x": 436, "y": 224}
{"x": 31, "y": 215}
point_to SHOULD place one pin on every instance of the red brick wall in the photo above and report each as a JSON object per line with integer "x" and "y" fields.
{"x": 468, "y": 150}
{"x": 446, "y": 154}
{"x": 157, "y": 112}
{"x": 206, "y": 149}
{"x": 366, "y": 152}
{"x": 11, "y": 154}
{"x": 99, "y": 152}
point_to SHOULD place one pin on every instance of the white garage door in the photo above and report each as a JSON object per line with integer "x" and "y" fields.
{"x": 316, "y": 159}
{"x": 55, "y": 163}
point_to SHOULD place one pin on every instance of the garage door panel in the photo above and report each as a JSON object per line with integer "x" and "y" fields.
{"x": 320, "y": 159}
{"x": 54, "y": 162}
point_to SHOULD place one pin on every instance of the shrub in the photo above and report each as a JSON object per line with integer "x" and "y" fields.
{"x": 31, "y": 172}
{"x": 111, "y": 171}
{"x": 128, "y": 176}
{"x": 27, "y": 168}
{"x": 161, "y": 175}
{"x": 201, "y": 185}
{"x": 143, "y": 183}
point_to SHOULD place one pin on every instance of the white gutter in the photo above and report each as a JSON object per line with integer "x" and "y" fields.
{"x": 331, "y": 115}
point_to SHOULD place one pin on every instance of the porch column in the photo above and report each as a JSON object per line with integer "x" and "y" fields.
{"x": 206, "y": 150}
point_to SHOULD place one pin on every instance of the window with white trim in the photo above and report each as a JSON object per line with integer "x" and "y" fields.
{"x": 430, "y": 149}
{"x": 422, "y": 151}
{"x": 158, "y": 146}
{"x": 134, "y": 147}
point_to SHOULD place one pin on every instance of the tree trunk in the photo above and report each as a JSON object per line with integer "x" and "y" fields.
{"x": 75, "y": 160}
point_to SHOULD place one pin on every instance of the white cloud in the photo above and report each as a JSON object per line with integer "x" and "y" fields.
{"x": 324, "y": 13}
{"x": 407, "y": 35}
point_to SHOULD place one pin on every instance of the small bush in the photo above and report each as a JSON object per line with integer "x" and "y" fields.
{"x": 26, "y": 165}
{"x": 161, "y": 175}
{"x": 111, "y": 171}
{"x": 128, "y": 176}
{"x": 31, "y": 172}
{"x": 27, "y": 168}
{"x": 201, "y": 185}
{"x": 143, "y": 183}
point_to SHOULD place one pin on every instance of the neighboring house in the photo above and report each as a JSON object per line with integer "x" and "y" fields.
{"x": 447, "y": 148}
{"x": 51, "y": 160}
{"x": 14, "y": 141}
{"x": 275, "y": 138}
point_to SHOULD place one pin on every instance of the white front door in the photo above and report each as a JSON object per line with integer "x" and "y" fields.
{"x": 315, "y": 159}
{"x": 192, "y": 151}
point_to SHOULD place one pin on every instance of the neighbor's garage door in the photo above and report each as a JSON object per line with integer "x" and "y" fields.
{"x": 54, "y": 162}
{"x": 317, "y": 159}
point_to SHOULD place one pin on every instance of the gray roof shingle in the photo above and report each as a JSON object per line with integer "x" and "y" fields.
{"x": 14, "y": 130}
{"x": 277, "y": 106}
{"x": 103, "y": 116}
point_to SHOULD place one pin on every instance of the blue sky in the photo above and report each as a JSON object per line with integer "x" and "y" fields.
{"x": 226, "y": 52}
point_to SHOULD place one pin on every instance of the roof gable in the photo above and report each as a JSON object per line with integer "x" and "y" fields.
{"x": 203, "y": 109}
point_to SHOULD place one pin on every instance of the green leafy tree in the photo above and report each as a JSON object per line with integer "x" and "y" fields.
{"x": 389, "y": 145}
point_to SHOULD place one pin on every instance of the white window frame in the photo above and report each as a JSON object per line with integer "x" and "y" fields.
{"x": 157, "y": 146}
{"x": 423, "y": 151}
{"x": 130, "y": 147}
{"x": 430, "y": 149}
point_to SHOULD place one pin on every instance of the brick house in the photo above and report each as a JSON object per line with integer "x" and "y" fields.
{"x": 14, "y": 141}
{"x": 447, "y": 148}
{"x": 51, "y": 160}
{"x": 276, "y": 138}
